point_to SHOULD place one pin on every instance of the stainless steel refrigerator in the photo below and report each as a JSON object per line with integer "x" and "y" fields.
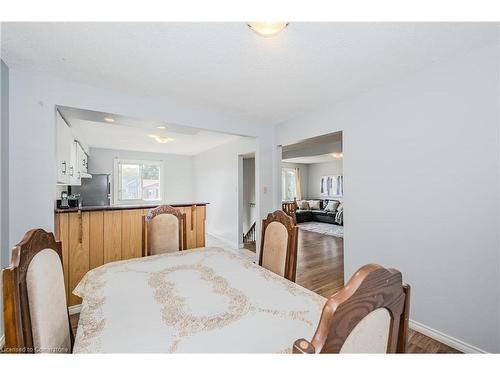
{"x": 95, "y": 191}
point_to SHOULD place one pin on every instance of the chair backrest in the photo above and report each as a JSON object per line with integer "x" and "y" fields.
{"x": 165, "y": 228}
{"x": 369, "y": 315}
{"x": 35, "y": 310}
{"x": 278, "y": 245}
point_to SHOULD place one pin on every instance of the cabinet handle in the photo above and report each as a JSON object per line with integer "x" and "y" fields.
{"x": 64, "y": 170}
{"x": 71, "y": 171}
{"x": 193, "y": 209}
{"x": 80, "y": 234}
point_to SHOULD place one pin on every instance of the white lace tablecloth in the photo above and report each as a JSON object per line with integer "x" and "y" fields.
{"x": 195, "y": 301}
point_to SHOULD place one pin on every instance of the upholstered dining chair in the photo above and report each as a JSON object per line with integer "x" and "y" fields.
{"x": 165, "y": 230}
{"x": 368, "y": 315}
{"x": 35, "y": 310}
{"x": 278, "y": 245}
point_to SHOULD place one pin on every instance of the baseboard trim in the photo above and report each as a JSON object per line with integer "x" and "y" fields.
{"x": 74, "y": 309}
{"x": 225, "y": 241}
{"x": 444, "y": 338}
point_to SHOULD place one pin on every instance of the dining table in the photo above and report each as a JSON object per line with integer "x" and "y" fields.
{"x": 205, "y": 300}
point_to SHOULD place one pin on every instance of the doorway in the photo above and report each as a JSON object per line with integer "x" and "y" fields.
{"x": 312, "y": 179}
{"x": 248, "y": 210}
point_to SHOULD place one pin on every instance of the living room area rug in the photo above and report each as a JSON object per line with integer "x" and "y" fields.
{"x": 323, "y": 228}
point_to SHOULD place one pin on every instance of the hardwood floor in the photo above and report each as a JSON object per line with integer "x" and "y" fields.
{"x": 320, "y": 263}
{"x": 419, "y": 344}
{"x": 73, "y": 319}
{"x": 250, "y": 246}
{"x": 320, "y": 268}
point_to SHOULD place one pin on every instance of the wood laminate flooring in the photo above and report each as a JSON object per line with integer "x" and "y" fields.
{"x": 250, "y": 246}
{"x": 320, "y": 263}
{"x": 320, "y": 268}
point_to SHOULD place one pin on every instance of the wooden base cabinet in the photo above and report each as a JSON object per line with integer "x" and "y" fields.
{"x": 93, "y": 238}
{"x": 132, "y": 234}
{"x": 112, "y": 236}
{"x": 195, "y": 225}
{"x": 96, "y": 239}
{"x": 72, "y": 229}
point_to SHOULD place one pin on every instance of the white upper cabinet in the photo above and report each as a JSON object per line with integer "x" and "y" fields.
{"x": 78, "y": 167}
{"x": 81, "y": 158}
{"x": 64, "y": 141}
{"x": 74, "y": 174}
{"x": 72, "y": 161}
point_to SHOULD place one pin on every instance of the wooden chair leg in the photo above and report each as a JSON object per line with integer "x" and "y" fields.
{"x": 404, "y": 322}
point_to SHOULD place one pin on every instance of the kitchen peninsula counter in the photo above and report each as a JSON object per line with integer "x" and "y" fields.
{"x": 126, "y": 207}
{"x": 94, "y": 235}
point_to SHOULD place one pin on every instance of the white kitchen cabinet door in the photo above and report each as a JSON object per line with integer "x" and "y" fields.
{"x": 75, "y": 175}
{"x": 81, "y": 158}
{"x": 64, "y": 141}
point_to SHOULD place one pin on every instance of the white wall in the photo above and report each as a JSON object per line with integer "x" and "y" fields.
{"x": 249, "y": 214}
{"x": 216, "y": 182}
{"x": 316, "y": 171}
{"x": 33, "y": 98}
{"x": 177, "y": 179}
{"x": 4, "y": 177}
{"x": 421, "y": 164}
{"x": 304, "y": 176}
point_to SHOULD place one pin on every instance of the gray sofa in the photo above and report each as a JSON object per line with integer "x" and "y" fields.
{"x": 320, "y": 215}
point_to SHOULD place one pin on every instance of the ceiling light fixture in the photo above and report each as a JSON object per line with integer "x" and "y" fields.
{"x": 338, "y": 155}
{"x": 161, "y": 139}
{"x": 267, "y": 29}
{"x": 109, "y": 119}
{"x": 161, "y": 127}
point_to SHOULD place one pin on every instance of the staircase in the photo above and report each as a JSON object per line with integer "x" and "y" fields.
{"x": 249, "y": 238}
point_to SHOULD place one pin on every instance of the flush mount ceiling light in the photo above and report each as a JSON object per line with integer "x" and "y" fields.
{"x": 337, "y": 155}
{"x": 162, "y": 127}
{"x": 109, "y": 119}
{"x": 267, "y": 29}
{"x": 161, "y": 139}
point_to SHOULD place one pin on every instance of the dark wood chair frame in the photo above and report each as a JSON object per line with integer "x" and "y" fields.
{"x": 371, "y": 287}
{"x": 164, "y": 209}
{"x": 18, "y": 330}
{"x": 293, "y": 235}
{"x": 290, "y": 208}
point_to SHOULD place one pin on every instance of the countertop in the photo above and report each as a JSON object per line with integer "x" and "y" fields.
{"x": 125, "y": 207}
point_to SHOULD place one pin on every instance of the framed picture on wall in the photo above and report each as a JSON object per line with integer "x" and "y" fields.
{"x": 332, "y": 186}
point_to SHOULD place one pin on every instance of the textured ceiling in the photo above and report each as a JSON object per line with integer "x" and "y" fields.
{"x": 308, "y": 66}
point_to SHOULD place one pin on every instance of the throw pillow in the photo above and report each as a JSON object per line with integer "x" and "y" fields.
{"x": 332, "y": 206}
{"x": 340, "y": 207}
{"x": 303, "y": 205}
{"x": 314, "y": 205}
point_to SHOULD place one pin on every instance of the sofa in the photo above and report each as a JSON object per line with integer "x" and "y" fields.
{"x": 311, "y": 211}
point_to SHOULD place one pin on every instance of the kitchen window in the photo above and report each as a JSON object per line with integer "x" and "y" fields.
{"x": 137, "y": 181}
